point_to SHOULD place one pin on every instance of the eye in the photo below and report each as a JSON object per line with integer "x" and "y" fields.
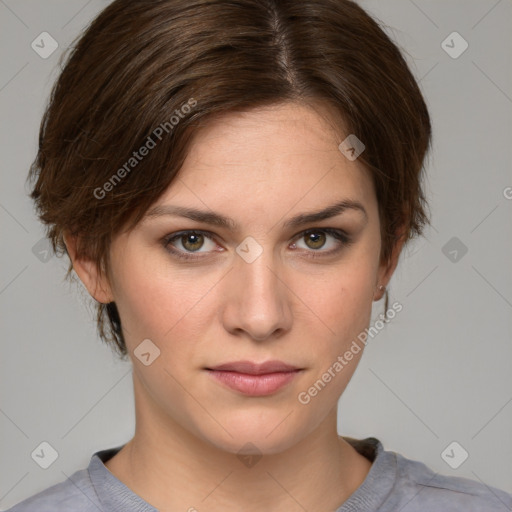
{"x": 318, "y": 238}
{"x": 190, "y": 241}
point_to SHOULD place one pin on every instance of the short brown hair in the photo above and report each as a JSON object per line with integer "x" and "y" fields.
{"x": 140, "y": 62}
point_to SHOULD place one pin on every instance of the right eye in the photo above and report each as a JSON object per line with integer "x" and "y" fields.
{"x": 191, "y": 242}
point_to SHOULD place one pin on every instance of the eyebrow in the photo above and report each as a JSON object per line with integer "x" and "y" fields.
{"x": 209, "y": 217}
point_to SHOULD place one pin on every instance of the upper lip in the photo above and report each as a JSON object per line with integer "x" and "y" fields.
{"x": 255, "y": 368}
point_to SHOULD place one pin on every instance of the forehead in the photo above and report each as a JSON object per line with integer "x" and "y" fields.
{"x": 274, "y": 133}
{"x": 269, "y": 161}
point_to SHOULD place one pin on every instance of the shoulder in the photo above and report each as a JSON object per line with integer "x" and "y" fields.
{"x": 417, "y": 488}
{"x": 75, "y": 494}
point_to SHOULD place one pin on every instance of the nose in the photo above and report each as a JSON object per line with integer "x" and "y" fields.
{"x": 257, "y": 299}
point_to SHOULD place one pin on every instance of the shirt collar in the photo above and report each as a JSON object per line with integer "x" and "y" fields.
{"x": 379, "y": 481}
{"x": 117, "y": 497}
{"x": 113, "y": 494}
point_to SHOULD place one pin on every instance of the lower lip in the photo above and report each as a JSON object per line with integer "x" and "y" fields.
{"x": 254, "y": 385}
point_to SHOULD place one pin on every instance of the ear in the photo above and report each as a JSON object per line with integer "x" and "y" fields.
{"x": 387, "y": 268}
{"x": 93, "y": 279}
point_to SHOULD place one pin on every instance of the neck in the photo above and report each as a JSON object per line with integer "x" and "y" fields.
{"x": 173, "y": 469}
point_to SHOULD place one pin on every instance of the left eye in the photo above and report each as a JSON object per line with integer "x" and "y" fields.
{"x": 317, "y": 238}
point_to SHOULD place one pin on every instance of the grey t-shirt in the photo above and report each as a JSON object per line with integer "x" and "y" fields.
{"x": 393, "y": 484}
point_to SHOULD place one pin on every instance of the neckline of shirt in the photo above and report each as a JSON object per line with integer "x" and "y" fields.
{"x": 115, "y": 496}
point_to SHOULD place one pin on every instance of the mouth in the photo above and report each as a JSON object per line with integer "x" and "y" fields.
{"x": 254, "y": 379}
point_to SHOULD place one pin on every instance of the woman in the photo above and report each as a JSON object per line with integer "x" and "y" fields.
{"x": 234, "y": 183}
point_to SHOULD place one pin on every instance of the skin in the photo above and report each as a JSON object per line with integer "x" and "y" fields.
{"x": 284, "y": 305}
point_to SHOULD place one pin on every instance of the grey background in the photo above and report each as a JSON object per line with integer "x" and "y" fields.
{"x": 439, "y": 372}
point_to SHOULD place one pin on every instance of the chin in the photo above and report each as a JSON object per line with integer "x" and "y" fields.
{"x": 256, "y": 435}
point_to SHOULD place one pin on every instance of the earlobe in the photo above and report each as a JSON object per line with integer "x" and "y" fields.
{"x": 88, "y": 272}
{"x": 379, "y": 292}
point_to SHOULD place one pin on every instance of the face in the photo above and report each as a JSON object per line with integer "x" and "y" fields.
{"x": 266, "y": 285}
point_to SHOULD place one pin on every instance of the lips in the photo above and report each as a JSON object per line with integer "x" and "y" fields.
{"x": 250, "y": 368}
{"x": 254, "y": 379}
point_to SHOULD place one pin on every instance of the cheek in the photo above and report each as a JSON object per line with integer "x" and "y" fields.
{"x": 344, "y": 309}
{"x": 147, "y": 304}
{"x": 157, "y": 303}
{"x": 341, "y": 300}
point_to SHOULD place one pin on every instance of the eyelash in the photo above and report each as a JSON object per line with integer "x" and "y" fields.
{"x": 340, "y": 235}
